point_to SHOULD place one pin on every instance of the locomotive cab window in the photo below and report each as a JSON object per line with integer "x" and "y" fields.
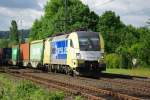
{"x": 89, "y": 42}
{"x": 71, "y": 44}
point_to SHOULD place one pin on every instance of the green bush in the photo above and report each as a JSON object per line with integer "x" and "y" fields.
{"x": 29, "y": 91}
{"x": 25, "y": 90}
{"x": 79, "y": 98}
{"x": 113, "y": 60}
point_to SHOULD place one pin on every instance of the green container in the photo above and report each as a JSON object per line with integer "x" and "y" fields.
{"x": 36, "y": 53}
{"x": 15, "y": 54}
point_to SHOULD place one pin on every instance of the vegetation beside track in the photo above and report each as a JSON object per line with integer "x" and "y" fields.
{"x": 13, "y": 89}
{"x": 142, "y": 72}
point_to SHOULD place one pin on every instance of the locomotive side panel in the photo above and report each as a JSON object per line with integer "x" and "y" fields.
{"x": 47, "y": 52}
{"x": 102, "y": 43}
{"x": 73, "y": 47}
{"x": 59, "y": 53}
{"x": 59, "y": 47}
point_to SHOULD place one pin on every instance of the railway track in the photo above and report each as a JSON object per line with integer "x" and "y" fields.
{"x": 136, "y": 86}
{"x": 89, "y": 92}
{"x": 127, "y": 77}
{"x": 130, "y": 87}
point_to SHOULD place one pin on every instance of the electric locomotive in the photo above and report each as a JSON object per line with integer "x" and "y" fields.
{"x": 78, "y": 52}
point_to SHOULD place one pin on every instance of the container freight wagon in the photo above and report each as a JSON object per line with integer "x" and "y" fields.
{"x": 6, "y": 56}
{"x": 36, "y": 53}
{"x": 16, "y": 55}
{"x": 24, "y": 54}
{"x": 76, "y": 52}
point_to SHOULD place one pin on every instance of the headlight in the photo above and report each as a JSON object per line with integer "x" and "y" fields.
{"x": 78, "y": 55}
{"x": 102, "y": 55}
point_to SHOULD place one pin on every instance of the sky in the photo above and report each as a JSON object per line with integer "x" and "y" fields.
{"x": 135, "y": 12}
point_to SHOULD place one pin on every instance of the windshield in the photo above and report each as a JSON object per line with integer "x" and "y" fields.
{"x": 89, "y": 43}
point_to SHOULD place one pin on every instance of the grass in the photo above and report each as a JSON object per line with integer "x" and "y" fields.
{"x": 14, "y": 89}
{"x": 11, "y": 89}
{"x": 142, "y": 72}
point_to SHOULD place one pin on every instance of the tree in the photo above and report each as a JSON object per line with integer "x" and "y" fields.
{"x": 147, "y": 49}
{"x": 110, "y": 26}
{"x": 78, "y": 16}
{"x": 4, "y": 43}
{"x": 148, "y": 22}
{"x": 36, "y": 30}
{"x": 14, "y": 35}
{"x": 145, "y": 41}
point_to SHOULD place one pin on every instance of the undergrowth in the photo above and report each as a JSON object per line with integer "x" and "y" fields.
{"x": 25, "y": 90}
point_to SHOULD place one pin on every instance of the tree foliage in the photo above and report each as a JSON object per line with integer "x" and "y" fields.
{"x": 145, "y": 41}
{"x": 4, "y": 43}
{"x": 148, "y": 22}
{"x": 113, "y": 60}
{"x": 127, "y": 41}
{"x": 53, "y": 21}
{"x": 110, "y": 25}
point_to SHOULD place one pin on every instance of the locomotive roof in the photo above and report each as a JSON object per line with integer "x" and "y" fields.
{"x": 36, "y": 41}
{"x": 87, "y": 33}
{"x": 79, "y": 33}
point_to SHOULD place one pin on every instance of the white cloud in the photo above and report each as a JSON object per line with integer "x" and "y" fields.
{"x": 24, "y": 18}
{"x": 41, "y": 3}
{"x": 136, "y": 20}
{"x": 21, "y": 4}
{"x": 135, "y": 12}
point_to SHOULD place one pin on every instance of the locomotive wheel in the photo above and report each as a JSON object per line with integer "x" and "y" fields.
{"x": 40, "y": 67}
{"x": 54, "y": 70}
{"x": 45, "y": 68}
{"x": 29, "y": 65}
{"x": 66, "y": 70}
{"x": 49, "y": 68}
{"x": 74, "y": 73}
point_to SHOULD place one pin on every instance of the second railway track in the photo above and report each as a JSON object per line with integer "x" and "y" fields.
{"x": 132, "y": 87}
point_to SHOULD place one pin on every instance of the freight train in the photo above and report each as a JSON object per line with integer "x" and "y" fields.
{"x": 80, "y": 52}
{"x": 5, "y": 56}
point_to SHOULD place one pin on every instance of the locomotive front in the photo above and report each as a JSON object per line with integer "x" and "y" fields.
{"x": 87, "y": 52}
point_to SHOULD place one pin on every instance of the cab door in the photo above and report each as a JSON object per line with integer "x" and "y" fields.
{"x": 73, "y": 48}
{"x": 71, "y": 54}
